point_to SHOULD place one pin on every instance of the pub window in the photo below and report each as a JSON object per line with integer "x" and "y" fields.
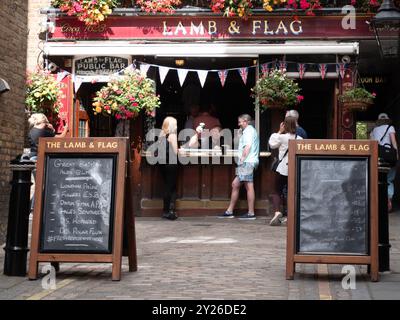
{"x": 83, "y": 128}
{"x": 225, "y": 102}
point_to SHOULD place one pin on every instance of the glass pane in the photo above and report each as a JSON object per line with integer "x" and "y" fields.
{"x": 83, "y": 128}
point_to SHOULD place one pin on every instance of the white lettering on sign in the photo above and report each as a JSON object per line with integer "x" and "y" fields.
{"x": 100, "y": 65}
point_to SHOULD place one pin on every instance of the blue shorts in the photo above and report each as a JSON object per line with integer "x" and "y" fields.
{"x": 245, "y": 171}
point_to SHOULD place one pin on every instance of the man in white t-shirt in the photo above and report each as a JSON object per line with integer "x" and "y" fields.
{"x": 385, "y": 133}
{"x": 248, "y": 153}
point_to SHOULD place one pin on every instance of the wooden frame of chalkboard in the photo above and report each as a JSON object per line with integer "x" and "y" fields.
{"x": 80, "y": 201}
{"x": 332, "y": 204}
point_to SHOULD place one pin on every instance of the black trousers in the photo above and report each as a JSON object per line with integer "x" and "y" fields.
{"x": 169, "y": 174}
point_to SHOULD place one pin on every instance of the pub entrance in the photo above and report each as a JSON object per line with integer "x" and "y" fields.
{"x": 317, "y": 109}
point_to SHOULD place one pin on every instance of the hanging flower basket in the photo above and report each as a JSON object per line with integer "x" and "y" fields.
{"x": 357, "y": 105}
{"x": 125, "y": 97}
{"x": 277, "y": 91}
{"x": 357, "y": 99}
{"x": 276, "y": 105}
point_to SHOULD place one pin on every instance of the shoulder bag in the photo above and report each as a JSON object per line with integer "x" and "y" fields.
{"x": 386, "y": 151}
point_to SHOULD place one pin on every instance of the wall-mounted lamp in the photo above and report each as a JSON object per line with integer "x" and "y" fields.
{"x": 4, "y": 87}
{"x": 179, "y": 62}
{"x": 386, "y": 25}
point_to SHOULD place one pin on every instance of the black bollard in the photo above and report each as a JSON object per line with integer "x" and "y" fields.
{"x": 16, "y": 248}
{"x": 383, "y": 220}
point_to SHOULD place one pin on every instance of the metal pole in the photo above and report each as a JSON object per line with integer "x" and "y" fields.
{"x": 16, "y": 248}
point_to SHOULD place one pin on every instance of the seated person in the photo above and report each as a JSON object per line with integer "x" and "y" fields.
{"x": 202, "y": 139}
{"x": 206, "y": 118}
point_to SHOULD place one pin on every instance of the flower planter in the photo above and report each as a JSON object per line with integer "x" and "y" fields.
{"x": 357, "y": 105}
{"x": 272, "y": 106}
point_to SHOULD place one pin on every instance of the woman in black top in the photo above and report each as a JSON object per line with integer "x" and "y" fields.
{"x": 40, "y": 127}
{"x": 169, "y": 166}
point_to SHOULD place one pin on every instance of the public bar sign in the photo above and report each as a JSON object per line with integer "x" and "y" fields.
{"x": 99, "y": 65}
{"x": 332, "y": 203}
{"x": 213, "y": 28}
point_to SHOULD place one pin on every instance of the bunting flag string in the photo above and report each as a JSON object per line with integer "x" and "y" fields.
{"x": 322, "y": 70}
{"x": 144, "y": 68}
{"x": 163, "y": 71}
{"x": 265, "y": 69}
{"x": 223, "y": 74}
{"x": 182, "y": 73}
{"x": 341, "y": 69}
{"x": 243, "y": 73}
{"x": 202, "y": 76}
{"x": 282, "y": 66}
{"x": 301, "y": 67}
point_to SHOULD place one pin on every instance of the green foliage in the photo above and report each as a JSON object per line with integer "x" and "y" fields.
{"x": 125, "y": 97}
{"x": 357, "y": 94}
{"x": 277, "y": 89}
{"x": 43, "y": 93}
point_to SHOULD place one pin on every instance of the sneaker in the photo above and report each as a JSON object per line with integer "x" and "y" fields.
{"x": 169, "y": 216}
{"x": 275, "y": 220}
{"x": 248, "y": 216}
{"x": 226, "y": 214}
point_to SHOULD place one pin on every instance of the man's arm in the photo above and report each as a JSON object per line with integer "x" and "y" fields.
{"x": 245, "y": 153}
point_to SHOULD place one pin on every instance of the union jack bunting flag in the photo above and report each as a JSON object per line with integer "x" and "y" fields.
{"x": 243, "y": 73}
{"x": 322, "y": 70}
{"x": 222, "y": 76}
{"x": 282, "y": 66}
{"x": 341, "y": 69}
{"x": 301, "y": 67}
{"x": 265, "y": 69}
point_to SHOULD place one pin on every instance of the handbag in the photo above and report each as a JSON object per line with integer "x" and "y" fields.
{"x": 388, "y": 154}
{"x": 386, "y": 151}
{"x": 275, "y": 162}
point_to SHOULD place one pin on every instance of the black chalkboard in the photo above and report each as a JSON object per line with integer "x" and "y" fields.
{"x": 78, "y": 203}
{"x": 332, "y": 205}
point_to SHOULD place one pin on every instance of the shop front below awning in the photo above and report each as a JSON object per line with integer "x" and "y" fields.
{"x": 203, "y": 49}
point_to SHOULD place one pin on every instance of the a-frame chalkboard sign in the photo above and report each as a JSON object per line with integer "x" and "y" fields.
{"x": 81, "y": 203}
{"x": 332, "y": 204}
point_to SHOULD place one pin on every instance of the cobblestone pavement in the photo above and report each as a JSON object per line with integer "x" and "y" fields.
{"x": 209, "y": 258}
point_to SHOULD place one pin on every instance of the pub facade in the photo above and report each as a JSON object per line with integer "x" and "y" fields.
{"x": 196, "y": 56}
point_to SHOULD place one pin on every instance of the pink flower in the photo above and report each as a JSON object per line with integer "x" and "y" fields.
{"x": 77, "y": 7}
{"x": 118, "y": 116}
{"x": 304, "y": 4}
{"x": 299, "y": 98}
{"x": 374, "y": 94}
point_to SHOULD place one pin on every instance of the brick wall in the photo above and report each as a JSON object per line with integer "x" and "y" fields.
{"x": 13, "y": 48}
{"x": 34, "y": 19}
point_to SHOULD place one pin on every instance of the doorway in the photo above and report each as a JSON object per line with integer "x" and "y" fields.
{"x": 316, "y": 110}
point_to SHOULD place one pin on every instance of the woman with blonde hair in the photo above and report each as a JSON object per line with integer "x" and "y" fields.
{"x": 40, "y": 127}
{"x": 169, "y": 166}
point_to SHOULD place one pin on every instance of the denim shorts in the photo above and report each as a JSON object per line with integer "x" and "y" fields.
{"x": 245, "y": 171}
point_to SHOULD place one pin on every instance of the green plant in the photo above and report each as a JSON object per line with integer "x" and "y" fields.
{"x": 357, "y": 94}
{"x": 125, "y": 97}
{"x": 276, "y": 88}
{"x": 43, "y": 93}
